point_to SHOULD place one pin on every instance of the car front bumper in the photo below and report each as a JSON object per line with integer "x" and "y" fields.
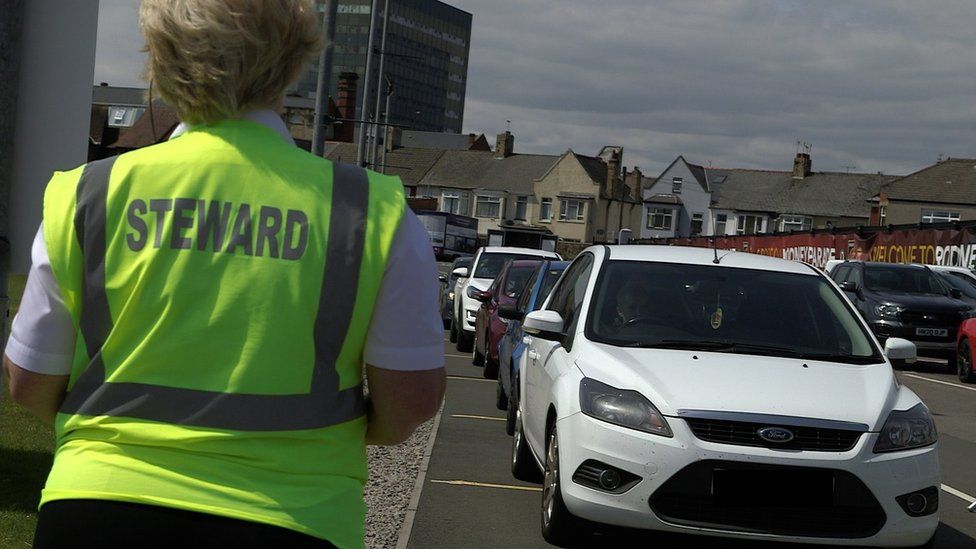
{"x": 656, "y": 460}
{"x": 887, "y": 328}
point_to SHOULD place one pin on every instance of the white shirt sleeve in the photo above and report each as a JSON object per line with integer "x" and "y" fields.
{"x": 407, "y": 332}
{"x": 42, "y": 338}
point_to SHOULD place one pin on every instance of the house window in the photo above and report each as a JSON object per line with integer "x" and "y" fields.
{"x": 751, "y": 224}
{"x": 795, "y": 223}
{"x": 455, "y": 203}
{"x": 882, "y": 214}
{"x": 721, "y": 220}
{"x": 545, "y": 209}
{"x": 571, "y": 210}
{"x": 696, "y": 223}
{"x": 488, "y": 206}
{"x": 676, "y": 185}
{"x": 660, "y": 218}
{"x": 521, "y": 204}
{"x": 935, "y": 216}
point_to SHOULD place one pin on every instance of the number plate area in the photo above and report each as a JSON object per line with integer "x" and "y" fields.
{"x": 772, "y": 488}
{"x": 932, "y": 332}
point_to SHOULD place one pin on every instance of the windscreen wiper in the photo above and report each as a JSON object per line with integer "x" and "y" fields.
{"x": 849, "y": 359}
{"x": 687, "y": 344}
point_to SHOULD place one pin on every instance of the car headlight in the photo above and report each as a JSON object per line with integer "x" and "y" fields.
{"x": 905, "y": 429}
{"x": 888, "y": 311}
{"x": 450, "y": 295}
{"x": 471, "y": 291}
{"x": 624, "y": 408}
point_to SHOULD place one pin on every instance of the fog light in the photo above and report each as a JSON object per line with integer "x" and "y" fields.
{"x": 920, "y": 503}
{"x": 606, "y": 478}
{"x": 609, "y": 479}
{"x": 916, "y": 503}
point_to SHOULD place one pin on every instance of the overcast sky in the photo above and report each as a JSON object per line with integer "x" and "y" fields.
{"x": 873, "y": 85}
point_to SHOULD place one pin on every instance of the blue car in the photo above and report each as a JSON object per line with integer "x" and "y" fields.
{"x": 511, "y": 347}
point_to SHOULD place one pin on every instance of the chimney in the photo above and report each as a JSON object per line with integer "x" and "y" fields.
{"x": 394, "y": 138}
{"x": 504, "y": 145}
{"x": 613, "y": 173}
{"x": 346, "y": 103}
{"x": 635, "y": 189}
{"x": 802, "y": 166}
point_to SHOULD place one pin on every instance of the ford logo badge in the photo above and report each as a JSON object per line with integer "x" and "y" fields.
{"x": 776, "y": 434}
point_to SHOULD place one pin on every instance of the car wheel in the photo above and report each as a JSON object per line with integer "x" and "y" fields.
{"x": 501, "y": 401}
{"x": 477, "y": 357}
{"x": 447, "y": 323}
{"x": 511, "y": 408}
{"x": 465, "y": 341}
{"x": 964, "y": 363}
{"x": 523, "y": 465}
{"x": 559, "y": 526}
{"x": 454, "y": 332}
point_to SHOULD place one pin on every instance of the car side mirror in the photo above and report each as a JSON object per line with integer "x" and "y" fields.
{"x": 956, "y": 293}
{"x": 483, "y": 297}
{"x": 849, "y": 286}
{"x": 510, "y": 311}
{"x": 897, "y": 348}
{"x": 546, "y": 324}
{"x": 460, "y": 272}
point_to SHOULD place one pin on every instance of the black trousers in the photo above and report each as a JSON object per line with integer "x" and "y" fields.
{"x": 86, "y": 523}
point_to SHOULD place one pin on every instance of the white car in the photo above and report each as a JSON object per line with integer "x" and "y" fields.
{"x": 959, "y": 272}
{"x": 485, "y": 266}
{"x": 727, "y": 394}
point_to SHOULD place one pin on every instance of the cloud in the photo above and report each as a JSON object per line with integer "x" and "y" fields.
{"x": 881, "y": 85}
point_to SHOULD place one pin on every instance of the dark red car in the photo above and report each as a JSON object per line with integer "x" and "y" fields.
{"x": 965, "y": 341}
{"x": 489, "y": 327}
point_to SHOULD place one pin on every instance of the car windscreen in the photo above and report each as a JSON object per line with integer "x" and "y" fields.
{"x": 547, "y": 285}
{"x": 516, "y": 279}
{"x": 725, "y": 309}
{"x": 490, "y": 264}
{"x": 902, "y": 280}
{"x": 967, "y": 288}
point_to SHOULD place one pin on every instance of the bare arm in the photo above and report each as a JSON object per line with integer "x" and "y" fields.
{"x": 400, "y": 401}
{"x": 41, "y": 394}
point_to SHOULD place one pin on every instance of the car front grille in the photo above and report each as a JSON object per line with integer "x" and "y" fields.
{"x": 742, "y": 433}
{"x": 769, "y": 499}
{"x": 934, "y": 319}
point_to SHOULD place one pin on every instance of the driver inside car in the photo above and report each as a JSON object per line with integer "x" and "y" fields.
{"x": 633, "y": 302}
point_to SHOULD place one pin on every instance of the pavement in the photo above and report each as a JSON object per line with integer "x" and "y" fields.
{"x": 469, "y": 498}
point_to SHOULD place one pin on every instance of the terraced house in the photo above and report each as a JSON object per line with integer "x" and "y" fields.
{"x": 942, "y": 192}
{"x": 692, "y": 200}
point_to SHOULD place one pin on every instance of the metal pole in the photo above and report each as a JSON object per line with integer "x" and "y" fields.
{"x": 11, "y": 21}
{"x": 325, "y": 77}
{"x": 379, "y": 80}
{"x": 386, "y": 131}
{"x": 368, "y": 81}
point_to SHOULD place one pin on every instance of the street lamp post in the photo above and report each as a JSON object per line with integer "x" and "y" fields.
{"x": 368, "y": 83}
{"x": 325, "y": 77}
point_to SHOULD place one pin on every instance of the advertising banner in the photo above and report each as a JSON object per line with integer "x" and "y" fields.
{"x": 953, "y": 247}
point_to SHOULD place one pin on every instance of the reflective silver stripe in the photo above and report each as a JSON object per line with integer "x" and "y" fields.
{"x": 748, "y": 417}
{"x": 323, "y": 406}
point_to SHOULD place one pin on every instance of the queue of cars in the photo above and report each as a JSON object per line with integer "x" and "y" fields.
{"x": 675, "y": 389}
{"x": 925, "y": 304}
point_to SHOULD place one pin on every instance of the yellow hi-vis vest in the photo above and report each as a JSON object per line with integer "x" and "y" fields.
{"x": 222, "y": 285}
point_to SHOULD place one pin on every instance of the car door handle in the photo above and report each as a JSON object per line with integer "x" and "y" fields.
{"x": 533, "y": 355}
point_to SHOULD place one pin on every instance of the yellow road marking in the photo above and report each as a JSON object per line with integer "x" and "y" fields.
{"x": 472, "y": 378}
{"x": 467, "y": 416}
{"x": 961, "y": 495}
{"x": 488, "y": 485}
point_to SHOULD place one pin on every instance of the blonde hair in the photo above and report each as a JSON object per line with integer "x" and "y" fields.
{"x": 214, "y": 59}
